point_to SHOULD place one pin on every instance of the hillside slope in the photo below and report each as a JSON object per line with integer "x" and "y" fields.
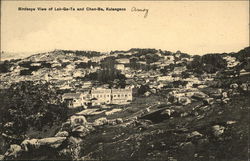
{"x": 184, "y": 107}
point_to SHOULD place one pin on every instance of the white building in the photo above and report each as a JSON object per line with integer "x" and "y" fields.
{"x": 121, "y": 96}
{"x": 165, "y": 78}
{"x": 120, "y": 66}
{"x": 111, "y": 96}
{"x": 101, "y": 96}
{"x": 74, "y": 100}
{"x": 123, "y": 61}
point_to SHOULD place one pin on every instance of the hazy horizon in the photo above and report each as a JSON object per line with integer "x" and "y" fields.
{"x": 195, "y": 28}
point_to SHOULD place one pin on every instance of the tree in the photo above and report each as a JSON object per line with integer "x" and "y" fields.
{"x": 143, "y": 89}
{"x": 209, "y": 63}
{"x": 5, "y": 66}
{"x": 29, "y": 104}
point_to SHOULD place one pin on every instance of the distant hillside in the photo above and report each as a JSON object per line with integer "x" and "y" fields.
{"x": 9, "y": 55}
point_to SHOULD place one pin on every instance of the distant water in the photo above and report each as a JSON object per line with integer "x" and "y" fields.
{"x": 15, "y": 55}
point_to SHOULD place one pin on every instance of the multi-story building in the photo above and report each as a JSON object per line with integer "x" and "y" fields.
{"x": 74, "y": 100}
{"x": 121, "y": 96}
{"x": 100, "y": 96}
{"x": 111, "y": 96}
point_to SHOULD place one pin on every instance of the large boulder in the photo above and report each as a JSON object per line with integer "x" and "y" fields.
{"x": 199, "y": 95}
{"x": 115, "y": 121}
{"x": 73, "y": 149}
{"x": 82, "y": 131}
{"x": 119, "y": 120}
{"x": 225, "y": 100}
{"x": 167, "y": 112}
{"x": 1, "y": 157}
{"x": 66, "y": 126}
{"x": 30, "y": 144}
{"x": 62, "y": 134}
{"x": 112, "y": 111}
{"x": 218, "y": 130}
{"x": 195, "y": 134}
{"x": 100, "y": 121}
{"x": 208, "y": 101}
{"x": 52, "y": 142}
{"x": 77, "y": 120}
{"x": 224, "y": 95}
{"x": 231, "y": 122}
{"x": 13, "y": 152}
{"x": 234, "y": 86}
{"x": 244, "y": 86}
{"x": 184, "y": 100}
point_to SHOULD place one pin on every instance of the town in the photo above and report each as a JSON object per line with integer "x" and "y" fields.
{"x": 85, "y": 104}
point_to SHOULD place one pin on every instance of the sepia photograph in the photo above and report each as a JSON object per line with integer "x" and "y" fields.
{"x": 124, "y": 80}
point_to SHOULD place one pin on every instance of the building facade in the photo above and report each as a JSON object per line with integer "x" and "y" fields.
{"x": 74, "y": 100}
{"x": 111, "y": 96}
{"x": 121, "y": 96}
{"x": 98, "y": 96}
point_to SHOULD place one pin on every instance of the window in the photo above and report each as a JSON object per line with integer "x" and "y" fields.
{"x": 114, "y": 95}
{"x": 125, "y": 95}
{"x": 118, "y": 95}
{"x": 107, "y": 95}
{"x": 100, "y": 95}
{"x": 74, "y": 100}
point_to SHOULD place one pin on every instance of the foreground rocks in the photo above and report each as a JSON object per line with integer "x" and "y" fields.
{"x": 218, "y": 130}
{"x": 173, "y": 131}
{"x": 13, "y": 152}
{"x": 52, "y": 142}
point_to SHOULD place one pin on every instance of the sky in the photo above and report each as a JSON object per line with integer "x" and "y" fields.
{"x": 194, "y": 27}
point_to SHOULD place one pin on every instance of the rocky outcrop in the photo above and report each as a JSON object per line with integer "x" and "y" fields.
{"x": 199, "y": 95}
{"x": 100, "y": 121}
{"x": 1, "y": 157}
{"x": 115, "y": 121}
{"x": 112, "y": 111}
{"x": 30, "y": 144}
{"x": 218, "y": 130}
{"x": 52, "y": 142}
{"x": 77, "y": 120}
{"x": 62, "y": 134}
{"x": 234, "y": 86}
{"x": 81, "y": 131}
{"x": 184, "y": 100}
{"x": 195, "y": 134}
{"x": 208, "y": 101}
{"x": 13, "y": 152}
{"x": 73, "y": 148}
